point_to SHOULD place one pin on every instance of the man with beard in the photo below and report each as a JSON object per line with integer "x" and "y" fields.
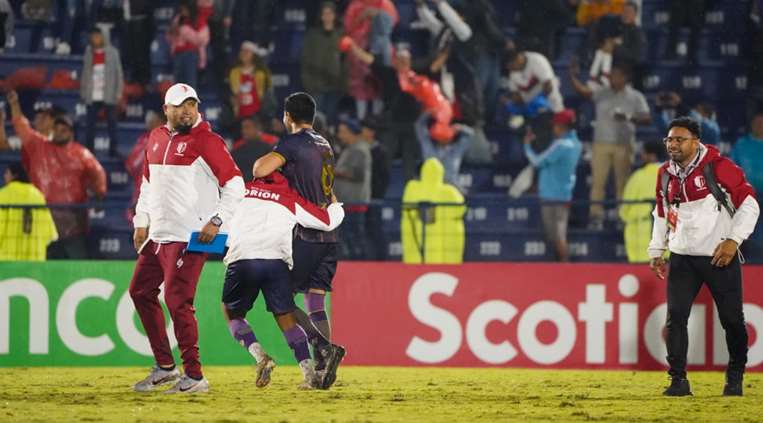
{"x": 190, "y": 183}
{"x": 63, "y": 170}
{"x": 705, "y": 209}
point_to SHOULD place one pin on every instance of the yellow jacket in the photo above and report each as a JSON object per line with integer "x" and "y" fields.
{"x": 444, "y": 236}
{"x": 261, "y": 79}
{"x": 638, "y": 216}
{"x": 24, "y": 233}
{"x": 591, "y": 10}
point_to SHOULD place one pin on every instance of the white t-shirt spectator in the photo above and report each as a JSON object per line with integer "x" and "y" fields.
{"x": 529, "y": 81}
{"x": 608, "y": 130}
{"x": 99, "y": 74}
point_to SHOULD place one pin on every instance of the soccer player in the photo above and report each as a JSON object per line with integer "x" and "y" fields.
{"x": 307, "y": 162}
{"x": 190, "y": 183}
{"x": 259, "y": 259}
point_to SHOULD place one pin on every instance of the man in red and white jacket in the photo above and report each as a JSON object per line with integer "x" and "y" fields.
{"x": 190, "y": 183}
{"x": 260, "y": 258}
{"x": 703, "y": 238}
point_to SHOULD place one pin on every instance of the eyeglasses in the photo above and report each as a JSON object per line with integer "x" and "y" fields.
{"x": 680, "y": 140}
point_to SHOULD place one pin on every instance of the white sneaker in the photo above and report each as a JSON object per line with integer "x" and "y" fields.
{"x": 310, "y": 376}
{"x": 189, "y": 385}
{"x": 264, "y": 369}
{"x": 156, "y": 378}
{"x": 63, "y": 49}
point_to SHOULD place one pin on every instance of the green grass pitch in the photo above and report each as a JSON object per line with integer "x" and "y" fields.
{"x": 375, "y": 394}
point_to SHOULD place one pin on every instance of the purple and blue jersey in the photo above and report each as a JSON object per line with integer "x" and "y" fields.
{"x": 309, "y": 169}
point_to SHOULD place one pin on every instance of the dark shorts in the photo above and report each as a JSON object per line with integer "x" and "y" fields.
{"x": 314, "y": 265}
{"x": 244, "y": 279}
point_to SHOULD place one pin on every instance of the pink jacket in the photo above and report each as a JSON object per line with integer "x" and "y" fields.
{"x": 184, "y": 37}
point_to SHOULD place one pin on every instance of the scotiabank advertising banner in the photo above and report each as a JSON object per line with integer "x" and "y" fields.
{"x": 525, "y": 315}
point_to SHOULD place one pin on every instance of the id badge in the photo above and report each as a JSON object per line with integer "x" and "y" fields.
{"x": 672, "y": 219}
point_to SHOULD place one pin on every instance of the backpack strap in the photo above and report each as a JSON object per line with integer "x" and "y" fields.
{"x": 664, "y": 182}
{"x": 723, "y": 200}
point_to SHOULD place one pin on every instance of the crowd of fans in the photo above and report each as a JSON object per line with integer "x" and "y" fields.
{"x": 379, "y": 101}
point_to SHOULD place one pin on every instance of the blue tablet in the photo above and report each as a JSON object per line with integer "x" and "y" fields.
{"x": 217, "y": 246}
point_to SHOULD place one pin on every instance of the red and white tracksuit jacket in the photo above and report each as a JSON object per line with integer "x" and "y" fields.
{"x": 187, "y": 179}
{"x": 701, "y": 225}
{"x": 263, "y": 225}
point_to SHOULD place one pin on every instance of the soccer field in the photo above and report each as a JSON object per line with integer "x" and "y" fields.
{"x": 375, "y": 394}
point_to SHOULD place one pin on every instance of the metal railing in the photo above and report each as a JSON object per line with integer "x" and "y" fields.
{"x": 482, "y": 229}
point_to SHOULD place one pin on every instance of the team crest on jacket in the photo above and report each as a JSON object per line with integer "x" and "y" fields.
{"x": 699, "y": 182}
{"x": 181, "y": 147}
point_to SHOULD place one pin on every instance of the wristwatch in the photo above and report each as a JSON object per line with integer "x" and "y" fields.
{"x": 215, "y": 220}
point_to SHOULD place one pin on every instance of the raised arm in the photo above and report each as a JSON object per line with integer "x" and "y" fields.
{"x": 3, "y": 136}
{"x": 361, "y": 54}
{"x": 267, "y": 164}
{"x": 581, "y": 88}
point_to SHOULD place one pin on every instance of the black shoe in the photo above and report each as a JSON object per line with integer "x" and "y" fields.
{"x": 679, "y": 387}
{"x": 333, "y": 355}
{"x": 733, "y": 386}
{"x": 320, "y": 361}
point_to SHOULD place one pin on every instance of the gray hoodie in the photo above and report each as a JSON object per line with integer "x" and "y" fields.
{"x": 114, "y": 76}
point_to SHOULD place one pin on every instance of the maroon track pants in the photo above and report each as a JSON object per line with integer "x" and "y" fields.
{"x": 179, "y": 270}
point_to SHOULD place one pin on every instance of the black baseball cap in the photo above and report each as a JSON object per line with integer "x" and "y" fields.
{"x": 64, "y": 120}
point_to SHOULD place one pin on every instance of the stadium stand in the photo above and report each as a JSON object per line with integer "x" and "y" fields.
{"x": 498, "y": 228}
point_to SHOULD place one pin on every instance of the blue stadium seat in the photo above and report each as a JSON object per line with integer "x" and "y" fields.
{"x": 110, "y": 244}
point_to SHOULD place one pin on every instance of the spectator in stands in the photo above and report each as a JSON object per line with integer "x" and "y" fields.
{"x": 321, "y": 62}
{"x": 443, "y": 242}
{"x": 70, "y": 16}
{"x": 64, "y": 171}
{"x": 137, "y": 157}
{"x": 250, "y": 82}
{"x": 369, "y": 23}
{"x": 352, "y": 186}
{"x": 6, "y": 24}
{"x": 450, "y": 153}
{"x": 188, "y": 37}
{"x": 669, "y": 105}
{"x": 254, "y": 143}
{"x": 138, "y": 35}
{"x": 535, "y": 94}
{"x": 483, "y": 49}
{"x": 538, "y": 21}
{"x": 590, "y": 11}
{"x": 101, "y": 87}
{"x": 219, "y": 21}
{"x": 531, "y": 75}
{"x": 379, "y": 182}
{"x": 748, "y": 153}
{"x": 638, "y": 198}
{"x": 40, "y": 131}
{"x": 685, "y": 13}
{"x": 601, "y": 65}
{"x": 39, "y": 13}
{"x": 25, "y": 232}
{"x": 632, "y": 40}
{"x": 456, "y": 77}
{"x": 379, "y": 157}
{"x": 400, "y": 108}
{"x": 556, "y": 179}
{"x": 619, "y": 108}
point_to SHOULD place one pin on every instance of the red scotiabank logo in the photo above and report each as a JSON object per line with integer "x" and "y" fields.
{"x": 523, "y": 315}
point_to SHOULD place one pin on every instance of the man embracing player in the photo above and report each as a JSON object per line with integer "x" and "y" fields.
{"x": 307, "y": 161}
